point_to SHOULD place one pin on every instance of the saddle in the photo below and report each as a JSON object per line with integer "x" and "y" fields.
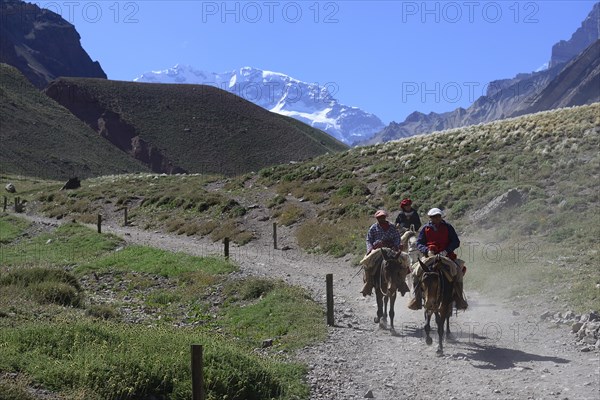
{"x": 374, "y": 259}
{"x": 450, "y": 270}
{"x": 399, "y": 260}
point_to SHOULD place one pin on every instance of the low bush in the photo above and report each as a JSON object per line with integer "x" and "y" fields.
{"x": 289, "y": 214}
{"x": 45, "y": 285}
{"x": 102, "y": 311}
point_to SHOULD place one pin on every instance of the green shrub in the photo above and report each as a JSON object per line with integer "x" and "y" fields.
{"x": 162, "y": 298}
{"x": 249, "y": 288}
{"x": 45, "y": 285}
{"x": 275, "y": 201}
{"x": 289, "y": 214}
{"x": 25, "y": 277}
{"x": 56, "y": 293}
{"x": 102, "y": 311}
{"x": 14, "y": 391}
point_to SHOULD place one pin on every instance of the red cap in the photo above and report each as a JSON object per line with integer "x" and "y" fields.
{"x": 405, "y": 202}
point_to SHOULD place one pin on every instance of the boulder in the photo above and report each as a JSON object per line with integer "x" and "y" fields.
{"x": 10, "y": 188}
{"x": 512, "y": 198}
{"x": 72, "y": 183}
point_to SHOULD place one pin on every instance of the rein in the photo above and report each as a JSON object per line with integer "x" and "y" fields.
{"x": 381, "y": 280}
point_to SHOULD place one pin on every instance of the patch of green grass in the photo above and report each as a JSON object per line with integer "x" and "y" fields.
{"x": 131, "y": 362}
{"x": 11, "y": 227}
{"x": 177, "y": 204}
{"x": 337, "y": 239}
{"x": 583, "y": 288}
{"x": 275, "y": 311}
{"x": 155, "y": 261}
{"x": 91, "y": 353}
{"x": 70, "y": 243}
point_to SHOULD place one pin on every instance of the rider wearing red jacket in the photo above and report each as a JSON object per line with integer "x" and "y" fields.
{"x": 439, "y": 237}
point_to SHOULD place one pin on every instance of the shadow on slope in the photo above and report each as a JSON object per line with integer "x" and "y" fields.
{"x": 189, "y": 128}
{"x": 41, "y": 138}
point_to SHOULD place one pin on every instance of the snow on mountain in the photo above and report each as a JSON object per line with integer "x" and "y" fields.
{"x": 311, "y": 103}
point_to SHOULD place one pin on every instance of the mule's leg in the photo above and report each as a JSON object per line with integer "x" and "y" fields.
{"x": 385, "y": 307}
{"x": 379, "y": 298}
{"x": 449, "y": 335}
{"x": 392, "y": 297}
{"x": 427, "y": 327}
{"x": 439, "y": 320}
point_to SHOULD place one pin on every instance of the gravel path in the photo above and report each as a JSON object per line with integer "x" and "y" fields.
{"x": 499, "y": 353}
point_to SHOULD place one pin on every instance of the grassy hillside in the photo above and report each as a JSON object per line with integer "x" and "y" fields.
{"x": 40, "y": 138}
{"x": 546, "y": 244}
{"x": 196, "y": 128}
{"x": 549, "y": 238}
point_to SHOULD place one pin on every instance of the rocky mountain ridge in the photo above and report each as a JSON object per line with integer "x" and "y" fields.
{"x": 42, "y": 45}
{"x": 565, "y": 50}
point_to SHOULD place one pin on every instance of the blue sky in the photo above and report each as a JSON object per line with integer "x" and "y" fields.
{"x": 387, "y": 57}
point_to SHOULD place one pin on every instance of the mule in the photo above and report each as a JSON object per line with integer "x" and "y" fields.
{"x": 408, "y": 244}
{"x": 388, "y": 279}
{"x": 437, "y": 292}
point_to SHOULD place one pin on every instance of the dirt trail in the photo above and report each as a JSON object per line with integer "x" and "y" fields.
{"x": 499, "y": 353}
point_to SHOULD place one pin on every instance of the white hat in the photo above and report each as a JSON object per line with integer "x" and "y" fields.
{"x": 435, "y": 211}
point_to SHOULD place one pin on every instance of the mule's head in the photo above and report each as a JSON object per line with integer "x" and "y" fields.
{"x": 430, "y": 289}
{"x": 430, "y": 285}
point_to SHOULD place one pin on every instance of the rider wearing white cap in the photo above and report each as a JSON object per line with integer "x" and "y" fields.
{"x": 439, "y": 237}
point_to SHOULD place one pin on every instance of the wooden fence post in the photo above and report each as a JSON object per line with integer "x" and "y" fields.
{"x": 125, "y": 216}
{"x": 329, "y": 285}
{"x": 275, "y": 235}
{"x": 99, "y": 223}
{"x": 197, "y": 373}
{"x": 226, "y": 247}
{"x": 5, "y": 203}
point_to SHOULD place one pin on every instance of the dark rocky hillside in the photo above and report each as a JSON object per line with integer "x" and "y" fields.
{"x": 189, "y": 128}
{"x": 577, "y": 84}
{"x": 40, "y": 138}
{"x": 42, "y": 45}
{"x": 565, "y": 50}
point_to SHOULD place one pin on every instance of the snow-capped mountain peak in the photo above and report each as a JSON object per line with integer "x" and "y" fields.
{"x": 310, "y": 103}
